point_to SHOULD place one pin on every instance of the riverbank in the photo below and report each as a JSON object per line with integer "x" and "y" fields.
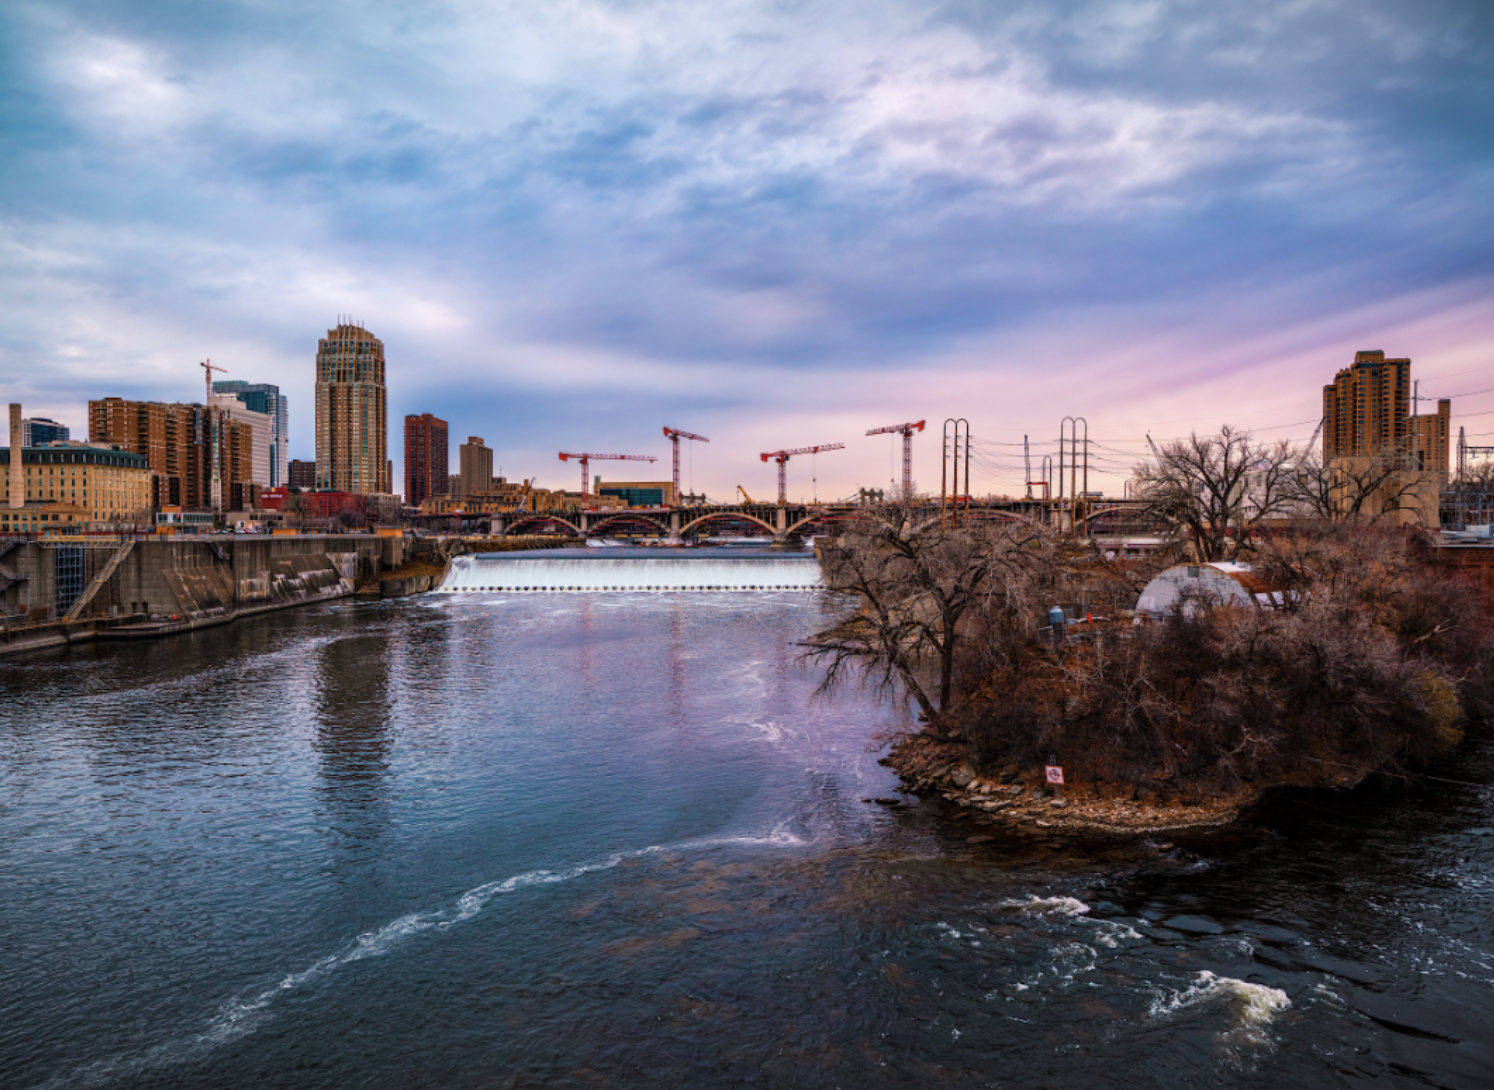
{"x": 1018, "y": 798}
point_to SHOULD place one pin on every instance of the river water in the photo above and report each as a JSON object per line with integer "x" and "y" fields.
{"x": 489, "y": 840}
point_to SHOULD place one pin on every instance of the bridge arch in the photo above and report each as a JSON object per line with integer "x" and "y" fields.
{"x": 628, "y": 516}
{"x": 733, "y": 516}
{"x": 818, "y": 518}
{"x": 1112, "y": 509}
{"x": 535, "y": 520}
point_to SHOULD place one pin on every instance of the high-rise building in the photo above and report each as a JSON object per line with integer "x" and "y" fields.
{"x": 1367, "y": 409}
{"x": 178, "y": 443}
{"x": 302, "y": 474}
{"x": 1431, "y": 439}
{"x": 261, "y": 397}
{"x": 426, "y": 453}
{"x": 352, "y": 425}
{"x": 39, "y": 431}
{"x": 476, "y": 467}
{"x": 261, "y": 428}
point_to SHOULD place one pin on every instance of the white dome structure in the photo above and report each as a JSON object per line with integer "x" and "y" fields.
{"x": 1217, "y": 584}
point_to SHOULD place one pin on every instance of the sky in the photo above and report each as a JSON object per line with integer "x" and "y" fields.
{"x": 776, "y": 224}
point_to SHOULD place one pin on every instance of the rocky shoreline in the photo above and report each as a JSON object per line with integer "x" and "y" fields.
{"x": 1018, "y": 799}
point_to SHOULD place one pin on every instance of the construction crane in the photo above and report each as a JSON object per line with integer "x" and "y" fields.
{"x": 782, "y": 457}
{"x": 674, "y": 435}
{"x": 906, "y": 431}
{"x": 207, "y": 401}
{"x": 585, "y": 460}
{"x": 745, "y": 498}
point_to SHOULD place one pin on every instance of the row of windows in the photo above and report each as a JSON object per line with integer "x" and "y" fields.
{"x": 77, "y": 457}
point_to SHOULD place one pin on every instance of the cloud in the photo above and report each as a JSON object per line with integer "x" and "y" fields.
{"x": 772, "y": 217}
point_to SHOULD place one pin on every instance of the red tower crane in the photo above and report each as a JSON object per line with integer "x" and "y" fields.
{"x": 675, "y": 435}
{"x": 782, "y": 457}
{"x": 906, "y": 431}
{"x": 585, "y": 460}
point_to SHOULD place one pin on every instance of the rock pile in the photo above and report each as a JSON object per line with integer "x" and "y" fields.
{"x": 1018, "y": 797}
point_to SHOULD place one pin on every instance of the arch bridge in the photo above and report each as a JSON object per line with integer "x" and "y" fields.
{"x": 677, "y": 523}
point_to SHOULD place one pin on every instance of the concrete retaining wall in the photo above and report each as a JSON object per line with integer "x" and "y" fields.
{"x": 186, "y": 580}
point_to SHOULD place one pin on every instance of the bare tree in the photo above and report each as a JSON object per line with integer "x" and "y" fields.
{"x": 297, "y": 507}
{"x": 1216, "y": 490}
{"x": 913, "y": 583}
{"x": 350, "y": 518}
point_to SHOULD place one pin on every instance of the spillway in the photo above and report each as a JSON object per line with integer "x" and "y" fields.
{"x": 625, "y": 569}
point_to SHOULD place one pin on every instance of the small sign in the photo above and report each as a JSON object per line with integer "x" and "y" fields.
{"x": 1055, "y": 774}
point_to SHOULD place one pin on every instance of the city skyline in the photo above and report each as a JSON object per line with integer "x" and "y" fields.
{"x": 779, "y": 228}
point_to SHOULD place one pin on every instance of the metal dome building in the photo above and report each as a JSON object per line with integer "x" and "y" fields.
{"x": 1218, "y": 583}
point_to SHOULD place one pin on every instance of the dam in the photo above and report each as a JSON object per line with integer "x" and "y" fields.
{"x": 633, "y": 569}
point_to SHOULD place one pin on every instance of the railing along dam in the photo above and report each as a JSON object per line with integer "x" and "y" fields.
{"x": 623, "y": 569}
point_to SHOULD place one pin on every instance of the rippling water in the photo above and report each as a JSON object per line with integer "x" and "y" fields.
{"x": 595, "y": 840}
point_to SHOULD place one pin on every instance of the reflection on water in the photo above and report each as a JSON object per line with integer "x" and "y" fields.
{"x": 610, "y": 840}
{"x": 353, "y": 704}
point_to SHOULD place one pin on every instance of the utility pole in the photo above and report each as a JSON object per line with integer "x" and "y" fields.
{"x": 1027, "y": 467}
{"x": 944, "y": 482}
{"x": 1069, "y": 427}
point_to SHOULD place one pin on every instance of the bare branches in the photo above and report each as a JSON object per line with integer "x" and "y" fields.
{"x": 1216, "y": 490}
{"x": 1354, "y": 487}
{"x": 911, "y": 585}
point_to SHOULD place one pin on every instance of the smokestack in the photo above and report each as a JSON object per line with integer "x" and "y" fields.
{"x": 17, "y": 474}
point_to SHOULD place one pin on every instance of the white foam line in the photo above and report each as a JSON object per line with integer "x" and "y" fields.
{"x": 240, "y": 1017}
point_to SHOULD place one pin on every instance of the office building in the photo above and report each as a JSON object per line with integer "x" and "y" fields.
{"x": 178, "y": 442}
{"x": 638, "y": 493}
{"x": 38, "y": 431}
{"x": 261, "y": 397}
{"x": 302, "y": 474}
{"x": 352, "y": 426}
{"x": 426, "y": 455}
{"x": 476, "y": 467}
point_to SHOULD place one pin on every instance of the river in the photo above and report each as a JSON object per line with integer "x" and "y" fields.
{"x": 608, "y": 839}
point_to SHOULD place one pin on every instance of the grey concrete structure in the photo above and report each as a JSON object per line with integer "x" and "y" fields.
{"x": 151, "y": 586}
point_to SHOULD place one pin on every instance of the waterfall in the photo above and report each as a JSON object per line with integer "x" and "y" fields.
{"x": 630, "y": 569}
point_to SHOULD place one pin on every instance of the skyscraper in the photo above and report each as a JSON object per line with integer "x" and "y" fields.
{"x": 1367, "y": 412}
{"x": 426, "y": 454}
{"x": 1367, "y": 409}
{"x": 476, "y": 467}
{"x": 261, "y": 397}
{"x": 352, "y": 423}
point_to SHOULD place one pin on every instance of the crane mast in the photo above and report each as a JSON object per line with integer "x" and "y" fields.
{"x": 674, "y": 436}
{"x": 207, "y": 408}
{"x": 906, "y": 431}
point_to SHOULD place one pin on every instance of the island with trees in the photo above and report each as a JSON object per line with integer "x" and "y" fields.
{"x": 1354, "y": 651}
